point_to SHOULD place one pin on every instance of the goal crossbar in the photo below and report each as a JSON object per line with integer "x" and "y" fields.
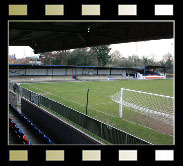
{"x": 148, "y": 93}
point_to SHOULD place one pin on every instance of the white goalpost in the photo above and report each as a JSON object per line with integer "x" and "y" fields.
{"x": 157, "y": 106}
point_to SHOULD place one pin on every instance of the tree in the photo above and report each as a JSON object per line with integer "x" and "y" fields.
{"x": 101, "y": 53}
{"x": 135, "y": 59}
{"x": 60, "y": 57}
{"x": 145, "y": 60}
{"x": 168, "y": 62}
{"x": 79, "y": 57}
{"x": 115, "y": 59}
{"x": 115, "y": 55}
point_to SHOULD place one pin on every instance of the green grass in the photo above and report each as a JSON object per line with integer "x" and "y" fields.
{"x": 101, "y": 107}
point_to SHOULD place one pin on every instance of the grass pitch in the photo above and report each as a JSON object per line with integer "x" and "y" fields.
{"x": 101, "y": 107}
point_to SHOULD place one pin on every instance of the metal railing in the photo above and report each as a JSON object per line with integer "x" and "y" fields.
{"x": 102, "y": 130}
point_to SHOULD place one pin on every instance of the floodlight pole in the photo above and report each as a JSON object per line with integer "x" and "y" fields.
{"x": 87, "y": 101}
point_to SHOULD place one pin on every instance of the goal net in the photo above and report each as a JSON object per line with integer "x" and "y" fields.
{"x": 157, "y": 106}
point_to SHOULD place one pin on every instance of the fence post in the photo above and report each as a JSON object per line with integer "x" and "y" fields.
{"x": 49, "y": 103}
{"x": 87, "y": 101}
{"x": 38, "y": 101}
{"x": 30, "y": 95}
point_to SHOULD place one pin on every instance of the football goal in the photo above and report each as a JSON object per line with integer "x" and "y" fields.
{"x": 156, "y": 106}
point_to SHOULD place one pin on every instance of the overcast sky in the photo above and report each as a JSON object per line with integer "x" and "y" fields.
{"x": 153, "y": 48}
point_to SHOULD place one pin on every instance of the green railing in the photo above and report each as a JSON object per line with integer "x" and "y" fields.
{"x": 102, "y": 130}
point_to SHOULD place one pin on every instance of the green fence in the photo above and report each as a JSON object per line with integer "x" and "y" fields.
{"x": 106, "y": 132}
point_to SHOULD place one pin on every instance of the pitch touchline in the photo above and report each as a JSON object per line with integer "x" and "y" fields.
{"x": 58, "y": 96}
{"x": 73, "y": 101}
{"x": 99, "y": 110}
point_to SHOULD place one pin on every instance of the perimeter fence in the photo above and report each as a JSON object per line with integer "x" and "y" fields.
{"x": 102, "y": 130}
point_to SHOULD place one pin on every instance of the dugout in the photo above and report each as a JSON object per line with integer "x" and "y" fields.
{"x": 150, "y": 72}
